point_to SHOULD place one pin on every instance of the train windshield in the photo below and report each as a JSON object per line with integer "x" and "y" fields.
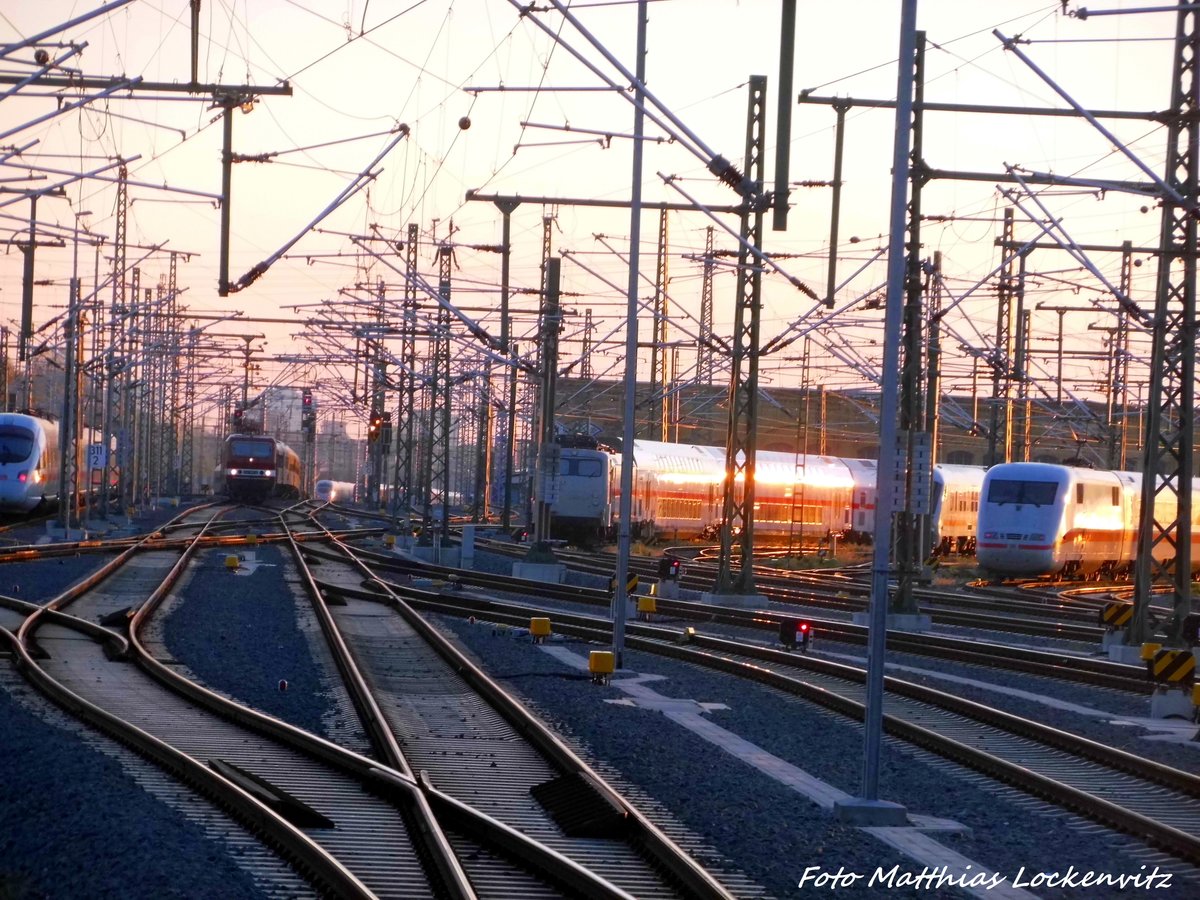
{"x": 1033, "y": 493}
{"x": 251, "y": 447}
{"x": 16, "y": 444}
{"x": 585, "y": 467}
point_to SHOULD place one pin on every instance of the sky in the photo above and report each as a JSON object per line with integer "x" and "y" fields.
{"x": 492, "y": 103}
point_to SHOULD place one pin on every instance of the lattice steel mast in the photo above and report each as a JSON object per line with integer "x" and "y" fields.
{"x": 738, "y": 506}
{"x": 1168, "y": 462}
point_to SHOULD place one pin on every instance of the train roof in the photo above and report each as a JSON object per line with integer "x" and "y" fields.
{"x": 952, "y": 473}
{"x": 15, "y": 418}
{"x": 689, "y": 459}
{"x": 1053, "y": 471}
{"x": 771, "y": 466}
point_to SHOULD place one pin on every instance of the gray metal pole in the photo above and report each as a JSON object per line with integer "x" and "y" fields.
{"x": 888, "y": 482}
{"x": 510, "y": 372}
{"x": 783, "y": 117}
{"x": 628, "y": 427}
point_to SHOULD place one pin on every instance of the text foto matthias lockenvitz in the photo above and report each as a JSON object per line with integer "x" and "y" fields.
{"x": 932, "y": 878}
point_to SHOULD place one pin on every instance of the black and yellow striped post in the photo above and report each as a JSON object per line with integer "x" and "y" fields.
{"x": 1173, "y": 667}
{"x": 631, "y": 585}
{"x": 1117, "y": 614}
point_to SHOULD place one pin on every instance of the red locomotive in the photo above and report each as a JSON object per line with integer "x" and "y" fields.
{"x": 256, "y": 467}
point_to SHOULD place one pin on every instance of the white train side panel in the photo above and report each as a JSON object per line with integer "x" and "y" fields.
{"x": 678, "y": 493}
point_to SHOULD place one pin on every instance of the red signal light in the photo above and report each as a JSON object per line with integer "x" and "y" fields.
{"x": 795, "y": 633}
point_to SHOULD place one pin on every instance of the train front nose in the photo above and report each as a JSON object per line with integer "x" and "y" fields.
{"x": 1016, "y": 553}
{"x": 14, "y": 490}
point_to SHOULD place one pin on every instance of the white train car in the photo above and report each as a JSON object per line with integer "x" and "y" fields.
{"x": 955, "y": 505}
{"x": 329, "y": 491}
{"x": 1046, "y": 519}
{"x": 29, "y": 462}
{"x": 587, "y": 490}
{"x": 679, "y": 494}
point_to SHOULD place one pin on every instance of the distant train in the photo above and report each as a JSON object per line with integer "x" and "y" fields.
{"x": 255, "y": 467}
{"x": 329, "y": 491}
{"x": 30, "y": 464}
{"x": 678, "y": 492}
{"x": 1045, "y": 519}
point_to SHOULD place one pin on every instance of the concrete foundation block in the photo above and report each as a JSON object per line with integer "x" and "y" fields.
{"x": 1171, "y": 703}
{"x": 742, "y": 601}
{"x": 1112, "y": 638}
{"x": 668, "y": 590}
{"x": 1126, "y": 653}
{"x": 549, "y": 573}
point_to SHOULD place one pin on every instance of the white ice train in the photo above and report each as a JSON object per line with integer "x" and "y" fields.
{"x": 1046, "y": 519}
{"x": 678, "y": 494}
{"x": 329, "y": 491}
{"x": 30, "y": 463}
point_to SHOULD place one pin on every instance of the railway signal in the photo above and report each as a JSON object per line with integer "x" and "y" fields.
{"x": 670, "y": 568}
{"x": 795, "y": 633}
{"x": 374, "y": 427}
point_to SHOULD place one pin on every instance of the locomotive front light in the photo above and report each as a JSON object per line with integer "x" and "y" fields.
{"x": 22, "y": 477}
{"x": 269, "y": 473}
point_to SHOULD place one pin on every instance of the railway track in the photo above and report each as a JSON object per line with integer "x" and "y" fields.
{"x": 1155, "y": 803}
{"x": 1046, "y": 663}
{"x": 271, "y": 777}
{"x": 477, "y": 745}
{"x": 354, "y": 826}
{"x": 835, "y": 590}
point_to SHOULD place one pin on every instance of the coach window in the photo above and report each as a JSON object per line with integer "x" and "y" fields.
{"x": 1079, "y": 493}
{"x": 1116, "y": 496}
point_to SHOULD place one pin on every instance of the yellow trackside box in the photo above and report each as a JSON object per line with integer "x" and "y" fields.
{"x": 540, "y": 629}
{"x": 389, "y": 540}
{"x": 601, "y": 663}
{"x": 1148, "y": 651}
{"x": 647, "y": 605}
{"x": 231, "y": 561}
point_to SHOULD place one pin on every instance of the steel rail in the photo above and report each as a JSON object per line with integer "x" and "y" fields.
{"x": 292, "y": 843}
{"x": 696, "y": 880}
{"x": 484, "y": 828}
{"x": 667, "y": 643}
{"x": 1047, "y": 663}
